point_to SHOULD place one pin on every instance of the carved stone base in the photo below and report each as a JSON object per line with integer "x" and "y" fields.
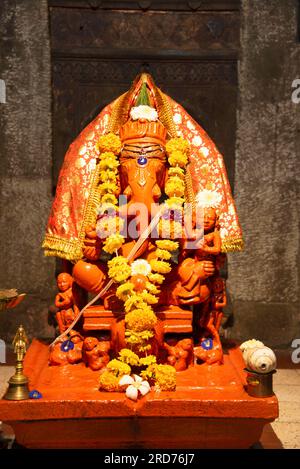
{"x": 209, "y": 409}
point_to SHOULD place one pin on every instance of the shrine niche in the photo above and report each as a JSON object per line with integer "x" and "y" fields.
{"x": 142, "y": 220}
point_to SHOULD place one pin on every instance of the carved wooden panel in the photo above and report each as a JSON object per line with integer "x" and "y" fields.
{"x": 131, "y": 30}
{"x": 97, "y": 51}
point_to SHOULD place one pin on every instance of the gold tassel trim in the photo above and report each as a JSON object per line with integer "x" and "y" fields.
{"x": 232, "y": 244}
{"x": 91, "y": 206}
{"x": 63, "y": 248}
{"x": 190, "y": 195}
{"x": 72, "y": 249}
{"x": 165, "y": 112}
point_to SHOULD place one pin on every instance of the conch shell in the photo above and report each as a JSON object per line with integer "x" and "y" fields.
{"x": 258, "y": 357}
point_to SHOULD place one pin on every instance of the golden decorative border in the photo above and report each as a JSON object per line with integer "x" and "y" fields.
{"x": 72, "y": 249}
{"x": 232, "y": 244}
{"x": 63, "y": 248}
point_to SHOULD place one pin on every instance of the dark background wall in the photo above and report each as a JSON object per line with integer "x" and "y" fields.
{"x": 263, "y": 281}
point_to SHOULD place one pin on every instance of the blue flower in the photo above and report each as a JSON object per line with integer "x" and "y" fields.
{"x": 207, "y": 344}
{"x": 66, "y": 346}
{"x": 34, "y": 394}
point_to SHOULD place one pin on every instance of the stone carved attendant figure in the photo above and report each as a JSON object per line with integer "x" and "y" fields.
{"x": 64, "y": 301}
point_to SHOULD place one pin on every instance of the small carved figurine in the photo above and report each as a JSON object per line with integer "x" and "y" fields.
{"x": 20, "y": 343}
{"x": 72, "y": 355}
{"x": 180, "y": 354}
{"x": 95, "y": 353}
{"x": 64, "y": 301}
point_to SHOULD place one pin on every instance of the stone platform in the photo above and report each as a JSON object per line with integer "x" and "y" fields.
{"x": 209, "y": 409}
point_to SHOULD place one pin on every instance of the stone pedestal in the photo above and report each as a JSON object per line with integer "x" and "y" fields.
{"x": 209, "y": 409}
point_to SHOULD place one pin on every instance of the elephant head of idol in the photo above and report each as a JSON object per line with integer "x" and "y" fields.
{"x": 143, "y": 158}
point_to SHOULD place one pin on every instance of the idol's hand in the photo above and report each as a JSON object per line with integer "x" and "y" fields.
{"x": 91, "y": 250}
{"x": 208, "y": 268}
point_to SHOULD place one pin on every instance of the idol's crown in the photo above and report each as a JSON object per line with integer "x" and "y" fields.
{"x": 143, "y": 131}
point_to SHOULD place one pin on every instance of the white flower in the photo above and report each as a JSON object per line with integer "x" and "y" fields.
{"x": 143, "y": 112}
{"x": 252, "y": 343}
{"x": 197, "y": 140}
{"x": 135, "y": 385}
{"x": 177, "y": 118}
{"x": 208, "y": 198}
{"x": 140, "y": 267}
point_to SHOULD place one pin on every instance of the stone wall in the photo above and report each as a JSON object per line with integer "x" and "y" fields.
{"x": 25, "y": 170}
{"x": 264, "y": 279}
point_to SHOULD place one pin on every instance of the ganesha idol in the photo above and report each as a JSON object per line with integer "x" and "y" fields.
{"x": 143, "y": 217}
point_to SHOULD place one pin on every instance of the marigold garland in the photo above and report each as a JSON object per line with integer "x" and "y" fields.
{"x": 140, "y": 318}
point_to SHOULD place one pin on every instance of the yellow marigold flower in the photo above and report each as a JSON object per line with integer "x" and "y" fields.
{"x": 170, "y": 229}
{"x": 141, "y": 336}
{"x": 144, "y": 348}
{"x": 163, "y": 254}
{"x": 137, "y": 339}
{"x": 108, "y": 162}
{"x": 152, "y": 288}
{"x": 108, "y": 382}
{"x": 149, "y": 360}
{"x": 174, "y": 187}
{"x": 161, "y": 267}
{"x": 108, "y": 226}
{"x": 109, "y": 199}
{"x": 108, "y": 187}
{"x": 177, "y": 158}
{"x": 134, "y": 301}
{"x": 113, "y": 243}
{"x": 107, "y": 176}
{"x": 140, "y": 320}
{"x": 129, "y": 357}
{"x": 175, "y": 202}
{"x": 149, "y": 372}
{"x": 176, "y": 230}
{"x": 118, "y": 368}
{"x": 176, "y": 171}
{"x": 156, "y": 278}
{"x": 149, "y": 298}
{"x": 119, "y": 270}
{"x": 164, "y": 228}
{"x": 165, "y": 377}
{"x": 110, "y": 143}
{"x": 177, "y": 144}
{"x": 107, "y": 208}
{"x": 167, "y": 244}
{"x": 108, "y": 155}
{"x": 124, "y": 290}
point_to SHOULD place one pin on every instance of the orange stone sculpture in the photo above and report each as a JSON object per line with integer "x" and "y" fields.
{"x": 144, "y": 172}
{"x": 143, "y": 217}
